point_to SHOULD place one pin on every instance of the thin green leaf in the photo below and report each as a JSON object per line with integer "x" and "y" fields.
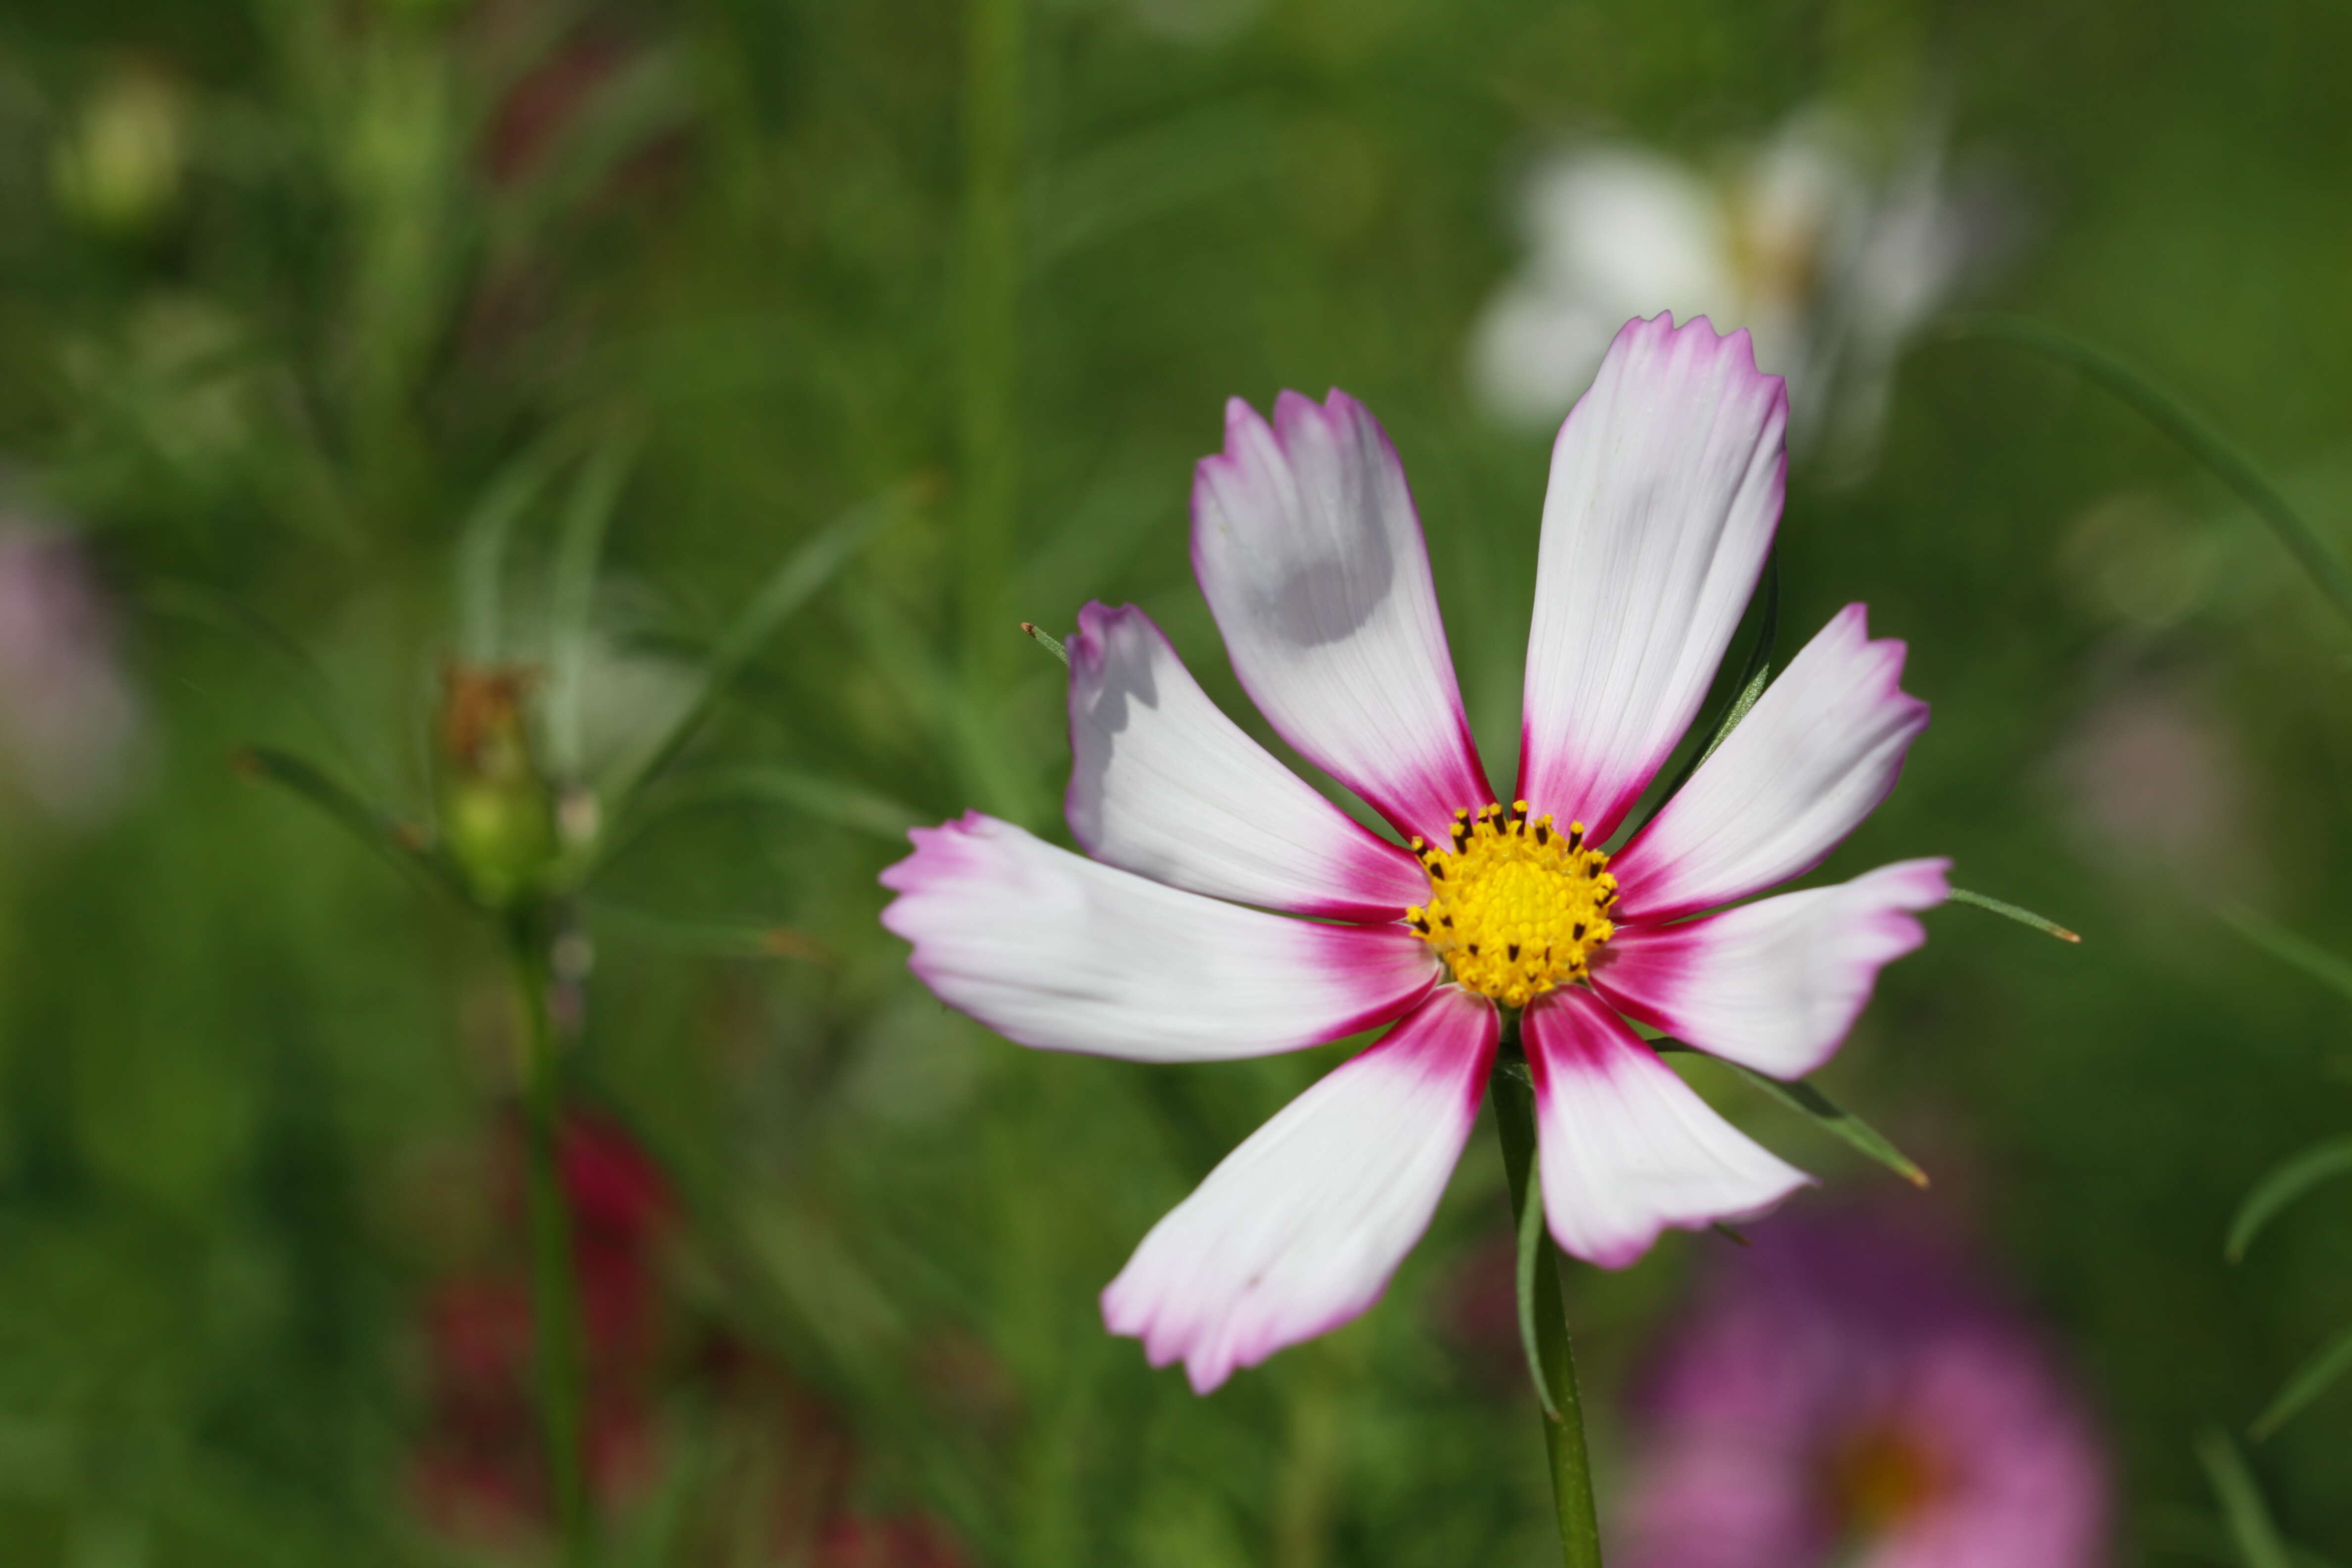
{"x": 202, "y": 605}
{"x": 2168, "y": 413}
{"x": 724, "y": 938}
{"x": 1824, "y": 1113}
{"x": 2017, "y": 913}
{"x": 1046, "y": 641}
{"x": 2310, "y": 1380}
{"x": 1531, "y": 1257}
{"x": 1754, "y": 676}
{"x": 2288, "y": 948}
{"x": 2286, "y": 1182}
{"x": 2186, "y": 1533}
{"x": 2249, "y": 1517}
{"x": 828, "y": 799}
{"x": 401, "y": 843}
{"x": 572, "y": 593}
{"x": 482, "y": 540}
{"x": 788, "y": 587}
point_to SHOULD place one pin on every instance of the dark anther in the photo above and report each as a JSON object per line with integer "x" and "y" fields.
{"x": 1578, "y": 935}
{"x": 1449, "y": 922}
{"x": 1515, "y": 952}
{"x": 1474, "y": 950}
{"x": 1437, "y": 870}
{"x": 1543, "y": 834}
{"x": 1576, "y": 838}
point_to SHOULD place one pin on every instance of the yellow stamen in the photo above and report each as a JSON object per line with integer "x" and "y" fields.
{"x": 1515, "y": 908}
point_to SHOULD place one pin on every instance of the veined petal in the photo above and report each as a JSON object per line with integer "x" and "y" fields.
{"x": 1665, "y": 487}
{"x": 1815, "y": 756}
{"x": 1774, "y": 984}
{"x": 1161, "y": 783}
{"x": 1298, "y": 1229}
{"x": 1309, "y": 552}
{"x": 1627, "y": 1148}
{"x": 1050, "y": 950}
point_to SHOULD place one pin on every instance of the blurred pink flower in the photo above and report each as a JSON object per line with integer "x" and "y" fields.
{"x": 1845, "y": 1392}
{"x": 67, "y": 715}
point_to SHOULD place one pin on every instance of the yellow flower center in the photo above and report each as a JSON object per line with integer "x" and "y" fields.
{"x": 1516, "y": 907}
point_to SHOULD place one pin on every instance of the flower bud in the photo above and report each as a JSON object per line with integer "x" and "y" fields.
{"x": 498, "y": 814}
{"x": 117, "y": 168}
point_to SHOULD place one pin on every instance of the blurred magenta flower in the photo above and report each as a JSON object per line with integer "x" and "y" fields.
{"x": 1831, "y": 265}
{"x": 68, "y": 716}
{"x": 1845, "y": 1392}
{"x": 1666, "y": 492}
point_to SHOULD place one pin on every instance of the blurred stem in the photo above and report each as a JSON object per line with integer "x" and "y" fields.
{"x": 988, "y": 343}
{"x": 554, "y": 1285}
{"x": 1572, "y": 1465}
{"x": 2228, "y": 462}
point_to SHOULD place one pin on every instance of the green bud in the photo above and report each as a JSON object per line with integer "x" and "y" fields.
{"x": 498, "y": 814}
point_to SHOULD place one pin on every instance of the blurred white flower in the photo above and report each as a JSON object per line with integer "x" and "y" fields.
{"x": 68, "y": 717}
{"x": 1828, "y": 267}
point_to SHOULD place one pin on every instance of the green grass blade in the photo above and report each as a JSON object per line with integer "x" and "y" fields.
{"x": 2209, "y": 446}
{"x": 828, "y": 799}
{"x": 792, "y": 584}
{"x": 572, "y": 593}
{"x": 2249, "y": 1517}
{"x": 401, "y": 843}
{"x": 2017, "y": 913}
{"x": 2285, "y": 1183}
{"x": 1822, "y": 1111}
{"x": 2312, "y": 1379}
{"x": 2186, "y": 1533}
{"x": 482, "y": 540}
{"x": 2283, "y": 945}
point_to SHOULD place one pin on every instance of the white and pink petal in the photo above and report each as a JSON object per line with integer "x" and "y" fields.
{"x": 1775, "y": 984}
{"x": 1310, "y": 554}
{"x": 1626, "y": 1148}
{"x": 1053, "y": 951}
{"x": 1667, "y": 485}
{"x": 1814, "y": 757}
{"x": 1165, "y": 785}
{"x": 1299, "y": 1229}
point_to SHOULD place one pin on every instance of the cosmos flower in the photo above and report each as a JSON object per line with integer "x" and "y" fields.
{"x": 1666, "y": 491}
{"x": 1831, "y": 267}
{"x": 1847, "y": 1394}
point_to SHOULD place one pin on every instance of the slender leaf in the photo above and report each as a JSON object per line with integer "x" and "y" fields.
{"x": 1046, "y": 641}
{"x": 726, "y": 939}
{"x": 2186, "y": 1533}
{"x": 2310, "y": 1380}
{"x": 482, "y": 546}
{"x": 1531, "y": 1257}
{"x": 403, "y": 843}
{"x": 202, "y": 605}
{"x": 1824, "y": 1113}
{"x": 572, "y": 593}
{"x": 2017, "y": 913}
{"x": 2249, "y": 1517}
{"x": 2283, "y": 945}
{"x": 2285, "y": 1183}
{"x": 790, "y": 585}
{"x": 843, "y": 805}
{"x": 2168, "y": 413}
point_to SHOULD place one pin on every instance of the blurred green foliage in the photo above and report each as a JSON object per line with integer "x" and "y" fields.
{"x": 291, "y": 294}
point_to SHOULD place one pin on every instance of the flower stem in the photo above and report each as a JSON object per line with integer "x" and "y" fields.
{"x": 554, "y": 1285}
{"x": 1572, "y": 1465}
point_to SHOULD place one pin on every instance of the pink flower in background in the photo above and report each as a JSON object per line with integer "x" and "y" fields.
{"x": 68, "y": 717}
{"x": 1845, "y": 1393}
{"x": 1666, "y": 492}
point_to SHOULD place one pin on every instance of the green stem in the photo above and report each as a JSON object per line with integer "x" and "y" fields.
{"x": 2168, "y": 413}
{"x": 554, "y": 1284}
{"x": 1572, "y": 1465}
